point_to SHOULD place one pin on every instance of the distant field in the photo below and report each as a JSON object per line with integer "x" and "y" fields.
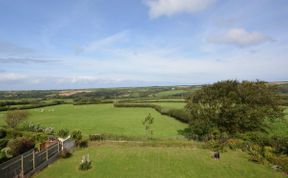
{"x": 122, "y": 161}
{"x": 104, "y": 118}
{"x": 171, "y": 92}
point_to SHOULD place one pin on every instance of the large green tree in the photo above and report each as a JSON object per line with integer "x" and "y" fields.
{"x": 233, "y": 107}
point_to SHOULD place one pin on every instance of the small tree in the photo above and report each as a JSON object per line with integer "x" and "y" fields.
{"x": 13, "y": 118}
{"x": 148, "y": 121}
{"x": 77, "y": 136}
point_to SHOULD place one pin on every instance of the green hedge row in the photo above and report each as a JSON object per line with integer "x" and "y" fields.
{"x": 83, "y": 102}
{"x": 38, "y": 105}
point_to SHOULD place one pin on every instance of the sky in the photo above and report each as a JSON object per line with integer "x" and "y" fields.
{"x": 72, "y": 44}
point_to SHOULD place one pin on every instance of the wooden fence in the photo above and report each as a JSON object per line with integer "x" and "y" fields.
{"x": 28, "y": 163}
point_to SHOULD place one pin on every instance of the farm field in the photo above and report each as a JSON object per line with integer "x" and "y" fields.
{"x": 123, "y": 161}
{"x": 170, "y": 105}
{"x": 104, "y": 118}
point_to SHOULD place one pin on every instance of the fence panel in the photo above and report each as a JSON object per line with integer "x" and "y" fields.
{"x": 68, "y": 144}
{"x": 11, "y": 168}
{"x": 28, "y": 163}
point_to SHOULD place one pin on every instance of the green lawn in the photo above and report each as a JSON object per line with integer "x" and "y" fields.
{"x": 122, "y": 161}
{"x": 104, "y": 118}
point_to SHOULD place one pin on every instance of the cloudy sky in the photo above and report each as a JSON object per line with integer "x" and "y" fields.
{"x": 114, "y": 43}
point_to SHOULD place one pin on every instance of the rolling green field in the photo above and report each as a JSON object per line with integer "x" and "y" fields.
{"x": 122, "y": 161}
{"x": 170, "y": 105}
{"x": 104, "y": 118}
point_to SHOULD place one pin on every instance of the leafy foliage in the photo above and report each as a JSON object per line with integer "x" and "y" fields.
{"x": 85, "y": 163}
{"x": 20, "y": 145}
{"x": 63, "y": 133}
{"x": 3, "y": 133}
{"x": 233, "y": 107}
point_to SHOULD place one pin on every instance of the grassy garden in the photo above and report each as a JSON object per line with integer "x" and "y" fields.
{"x": 122, "y": 160}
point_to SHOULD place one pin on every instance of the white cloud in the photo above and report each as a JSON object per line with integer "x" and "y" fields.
{"x": 11, "y": 76}
{"x": 172, "y": 7}
{"x": 240, "y": 37}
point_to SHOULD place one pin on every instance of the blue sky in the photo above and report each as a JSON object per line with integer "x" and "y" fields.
{"x": 111, "y": 43}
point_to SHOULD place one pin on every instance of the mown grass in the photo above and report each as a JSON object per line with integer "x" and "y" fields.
{"x": 125, "y": 161}
{"x": 104, "y": 118}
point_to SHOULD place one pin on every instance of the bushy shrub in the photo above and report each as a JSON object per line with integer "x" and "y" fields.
{"x": 85, "y": 163}
{"x": 281, "y": 161}
{"x": 95, "y": 137}
{"x": 268, "y": 152}
{"x": 280, "y": 144}
{"x": 12, "y": 133}
{"x": 255, "y": 153}
{"x": 3, "y": 143}
{"x": 29, "y": 126}
{"x": 63, "y": 133}
{"x": 20, "y": 145}
{"x": 3, "y": 133}
{"x": 234, "y": 144}
{"x": 77, "y": 136}
{"x": 83, "y": 143}
{"x": 65, "y": 153}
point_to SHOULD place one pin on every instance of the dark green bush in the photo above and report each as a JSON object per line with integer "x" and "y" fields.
{"x": 20, "y": 145}
{"x": 3, "y": 133}
{"x": 85, "y": 163}
{"x": 63, "y": 133}
{"x": 77, "y": 136}
{"x": 3, "y": 143}
{"x": 281, "y": 161}
{"x": 12, "y": 133}
{"x": 83, "y": 143}
{"x": 65, "y": 153}
{"x": 96, "y": 137}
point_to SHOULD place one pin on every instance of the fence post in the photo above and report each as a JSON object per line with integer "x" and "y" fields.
{"x": 33, "y": 159}
{"x": 22, "y": 166}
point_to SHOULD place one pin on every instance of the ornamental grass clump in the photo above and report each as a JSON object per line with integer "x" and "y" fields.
{"x": 85, "y": 163}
